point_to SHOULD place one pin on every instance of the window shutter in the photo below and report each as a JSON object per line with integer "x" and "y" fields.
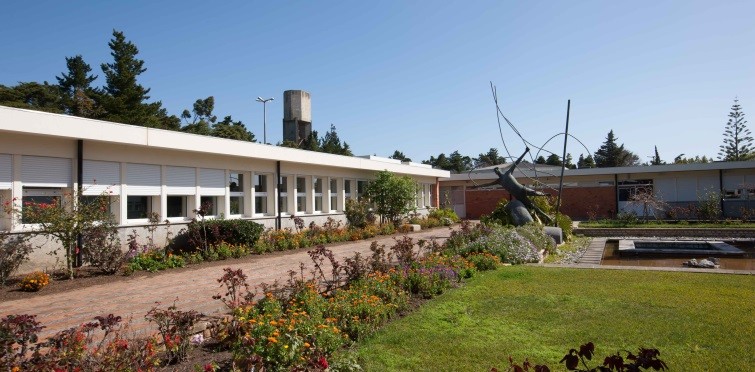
{"x": 102, "y": 176}
{"x": 6, "y": 171}
{"x": 42, "y": 171}
{"x": 143, "y": 179}
{"x": 181, "y": 180}
{"x": 212, "y": 182}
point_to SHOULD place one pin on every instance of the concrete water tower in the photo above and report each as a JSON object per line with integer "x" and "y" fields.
{"x": 297, "y": 115}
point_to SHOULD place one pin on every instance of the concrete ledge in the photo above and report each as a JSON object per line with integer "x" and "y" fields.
{"x": 661, "y": 232}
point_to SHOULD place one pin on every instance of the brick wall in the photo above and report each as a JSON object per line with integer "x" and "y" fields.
{"x": 577, "y": 202}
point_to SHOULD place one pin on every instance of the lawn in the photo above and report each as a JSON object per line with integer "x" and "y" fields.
{"x": 697, "y": 321}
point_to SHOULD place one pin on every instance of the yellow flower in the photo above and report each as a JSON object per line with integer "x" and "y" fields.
{"x": 285, "y": 346}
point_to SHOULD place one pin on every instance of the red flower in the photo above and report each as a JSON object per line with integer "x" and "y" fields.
{"x": 322, "y": 363}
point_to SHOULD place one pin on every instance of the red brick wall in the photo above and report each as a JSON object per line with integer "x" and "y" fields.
{"x": 577, "y": 202}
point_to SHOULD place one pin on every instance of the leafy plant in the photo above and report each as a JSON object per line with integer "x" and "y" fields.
{"x": 35, "y": 281}
{"x": 17, "y": 334}
{"x": 175, "y": 327}
{"x": 102, "y": 248}
{"x": 392, "y": 195}
{"x": 14, "y": 251}
{"x": 64, "y": 220}
{"x": 357, "y": 213}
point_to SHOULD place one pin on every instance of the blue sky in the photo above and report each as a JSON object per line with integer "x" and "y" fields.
{"x": 414, "y": 75}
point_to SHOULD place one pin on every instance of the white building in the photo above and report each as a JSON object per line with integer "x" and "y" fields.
{"x": 147, "y": 170}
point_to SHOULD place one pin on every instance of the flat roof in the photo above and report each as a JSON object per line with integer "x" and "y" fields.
{"x": 23, "y": 121}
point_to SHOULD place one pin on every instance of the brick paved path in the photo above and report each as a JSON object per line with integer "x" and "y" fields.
{"x": 193, "y": 288}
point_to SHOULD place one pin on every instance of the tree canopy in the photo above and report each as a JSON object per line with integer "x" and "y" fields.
{"x": 737, "y": 144}
{"x": 455, "y": 163}
{"x": 610, "y": 154}
{"x": 489, "y": 159}
{"x": 398, "y": 155}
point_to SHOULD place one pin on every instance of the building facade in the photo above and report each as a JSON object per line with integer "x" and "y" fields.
{"x": 604, "y": 192}
{"x": 171, "y": 174}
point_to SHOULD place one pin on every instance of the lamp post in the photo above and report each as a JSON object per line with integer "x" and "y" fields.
{"x": 264, "y": 117}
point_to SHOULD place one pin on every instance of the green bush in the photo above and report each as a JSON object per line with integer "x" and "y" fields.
{"x": 499, "y": 216}
{"x": 358, "y": 213}
{"x": 234, "y": 232}
{"x": 534, "y": 233}
{"x": 565, "y": 223}
{"x": 442, "y": 213}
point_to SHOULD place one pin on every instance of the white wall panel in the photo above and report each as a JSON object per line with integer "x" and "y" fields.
{"x": 101, "y": 176}
{"x": 686, "y": 189}
{"x": 733, "y": 181}
{"x": 42, "y": 171}
{"x": 708, "y": 183}
{"x": 665, "y": 188}
{"x": 181, "y": 180}
{"x": 143, "y": 179}
{"x": 6, "y": 171}
{"x": 212, "y": 181}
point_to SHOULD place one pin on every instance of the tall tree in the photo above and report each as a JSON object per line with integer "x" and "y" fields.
{"x": 330, "y": 143}
{"x": 459, "y": 162}
{"x": 227, "y": 128}
{"x": 78, "y": 96}
{"x": 737, "y": 139}
{"x": 489, "y": 159}
{"x": 585, "y": 162}
{"x": 441, "y": 162}
{"x": 610, "y": 154}
{"x": 540, "y": 160}
{"x": 398, "y": 155}
{"x": 657, "y": 158}
{"x": 33, "y": 96}
{"x": 553, "y": 159}
{"x": 200, "y": 118}
{"x": 125, "y": 101}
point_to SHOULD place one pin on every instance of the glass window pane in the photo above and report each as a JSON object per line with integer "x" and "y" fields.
{"x": 177, "y": 206}
{"x": 138, "y": 207}
{"x": 209, "y": 204}
{"x": 260, "y": 183}
{"x": 237, "y": 205}
{"x": 260, "y": 203}
{"x": 236, "y": 182}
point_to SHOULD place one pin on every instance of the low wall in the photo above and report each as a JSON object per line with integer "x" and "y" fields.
{"x": 661, "y": 232}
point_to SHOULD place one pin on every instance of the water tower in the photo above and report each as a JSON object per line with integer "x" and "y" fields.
{"x": 297, "y": 115}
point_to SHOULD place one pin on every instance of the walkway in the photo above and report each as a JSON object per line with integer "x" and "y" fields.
{"x": 192, "y": 289}
{"x": 594, "y": 253}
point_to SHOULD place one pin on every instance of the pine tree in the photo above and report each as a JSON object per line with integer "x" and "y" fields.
{"x": 657, "y": 158}
{"x": 553, "y": 159}
{"x": 540, "y": 160}
{"x": 585, "y": 162}
{"x": 78, "y": 96}
{"x": 330, "y": 143}
{"x": 489, "y": 159}
{"x": 610, "y": 154}
{"x": 227, "y": 128}
{"x": 125, "y": 101}
{"x": 398, "y": 155}
{"x": 737, "y": 140}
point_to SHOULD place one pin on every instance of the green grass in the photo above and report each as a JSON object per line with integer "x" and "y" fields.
{"x": 697, "y": 321}
{"x": 728, "y": 224}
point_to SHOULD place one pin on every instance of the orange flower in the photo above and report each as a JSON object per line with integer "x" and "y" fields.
{"x": 306, "y": 344}
{"x": 272, "y": 340}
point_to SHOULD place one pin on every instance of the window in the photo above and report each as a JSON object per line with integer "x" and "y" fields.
{"x": 38, "y": 197}
{"x": 283, "y": 200}
{"x": 301, "y": 195}
{"x": 236, "y": 189}
{"x": 95, "y": 199}
{"x": 347, "y": 189}
{"x": 333, "y": 194}
{"x": 317, "y": 185}
{"x": 209, "y": 204}
{"x": 260, "y": 193}
{"x": 629, "y": 189}
{"x": 138, "y": 207}
{"x": 361, "y": 188}
{"x": 177, "y": 206}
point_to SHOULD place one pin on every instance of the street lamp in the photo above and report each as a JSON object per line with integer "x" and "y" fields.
{"x": 264, "y": 117}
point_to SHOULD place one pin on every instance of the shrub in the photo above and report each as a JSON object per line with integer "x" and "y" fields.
{"x": 17, "y": 334}
{"x": 35, "y": 281}
{"x": 535, "y": 234}
{"x": 357, "y": 213}
{"x": 709, "y": 205}
{"x": 102, "y": 248}
{"x": 499, "y": 215}
{"x": 442, "y": 213}
{"x": 155, "y": 260}
{"x": 565, "y": 223}
{"x": 505, "y": 243}
{"x": 14, "y": 251}
{"x": 235, "y": 232}
{"x": 392, "y": 195}
{"x": 484, "y": 261}
{"x": 175, "y": 327}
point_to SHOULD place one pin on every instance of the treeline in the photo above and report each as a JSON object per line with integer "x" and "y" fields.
{"x": 122, "y": 99}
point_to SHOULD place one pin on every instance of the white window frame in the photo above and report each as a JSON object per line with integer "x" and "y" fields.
{"x": 333, "y": 192}
{"x": 348, "y": 188}
{"x": 153, "y": 205}
{"x": 317, "y": 195}
{"x": 261, "y": 180}
{"x": 32, "y": 191}
{"x": 283, "y": 190}
{"x": 186, "y": 201}
{"x": 239, "y": 193}
{"x": 301, "y": 192}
